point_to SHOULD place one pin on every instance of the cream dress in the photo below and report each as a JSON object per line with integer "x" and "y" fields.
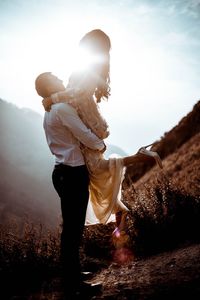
{"x": 106, "y": 175}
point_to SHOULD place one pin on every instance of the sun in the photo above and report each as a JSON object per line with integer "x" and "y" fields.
{"x": 84, "y": 60}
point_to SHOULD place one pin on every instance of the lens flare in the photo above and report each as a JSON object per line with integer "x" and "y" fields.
{"x": 86, "y": 60}
{"x": 123, "y": 254}
{"x": 116, "y": 232}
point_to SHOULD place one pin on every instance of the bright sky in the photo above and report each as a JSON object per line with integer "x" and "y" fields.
{"x": 155, "y": 58}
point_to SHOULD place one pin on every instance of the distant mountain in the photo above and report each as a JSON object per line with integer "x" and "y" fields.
{"x": 114, "y": 151}
{"x": 26, "y": 166}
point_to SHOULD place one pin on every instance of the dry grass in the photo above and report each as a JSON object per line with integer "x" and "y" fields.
{"x": 162, "y": 216}
{"x": 27, "y": 258}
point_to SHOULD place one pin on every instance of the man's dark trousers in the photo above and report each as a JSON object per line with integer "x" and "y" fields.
{"x": 72, "y": 186}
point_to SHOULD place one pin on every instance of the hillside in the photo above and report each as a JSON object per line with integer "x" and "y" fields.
{"x": 171, "y": 141}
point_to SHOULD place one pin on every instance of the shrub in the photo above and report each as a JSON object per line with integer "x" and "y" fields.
{"x": 161, "y": 217}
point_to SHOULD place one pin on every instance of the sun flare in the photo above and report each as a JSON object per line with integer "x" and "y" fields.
{"x": 84, "y": 60}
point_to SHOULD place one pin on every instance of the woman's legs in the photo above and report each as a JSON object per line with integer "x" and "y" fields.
{"x": 120, "y": 212}
{"x": 128, "y": 160}
{"x": 136, "y": 158}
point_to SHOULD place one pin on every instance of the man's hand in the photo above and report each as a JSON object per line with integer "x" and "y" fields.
{"x": 47, "y": 102}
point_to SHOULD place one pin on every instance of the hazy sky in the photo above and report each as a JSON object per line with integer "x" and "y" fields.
{"x": 155, "y": 58}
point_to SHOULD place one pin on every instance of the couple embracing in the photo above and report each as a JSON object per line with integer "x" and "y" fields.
{"x": 75, "y": 132}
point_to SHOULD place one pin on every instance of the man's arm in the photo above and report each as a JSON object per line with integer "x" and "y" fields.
{"x": 69, "y": 118}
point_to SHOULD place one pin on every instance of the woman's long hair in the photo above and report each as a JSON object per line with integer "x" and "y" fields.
{"x": 99, "y": 43}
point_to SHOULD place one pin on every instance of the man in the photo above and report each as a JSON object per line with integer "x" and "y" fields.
{"x": 64, "y": 132}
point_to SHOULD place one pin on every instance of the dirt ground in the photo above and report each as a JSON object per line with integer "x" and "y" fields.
{"x": 170, "y": 275}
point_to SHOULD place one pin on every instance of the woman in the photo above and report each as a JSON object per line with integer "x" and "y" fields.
{"x": 84, "y": 91}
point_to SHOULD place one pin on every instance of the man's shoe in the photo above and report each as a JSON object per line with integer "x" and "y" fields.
{"x": 86, "y": 276}
{"x": 87, "y": 289}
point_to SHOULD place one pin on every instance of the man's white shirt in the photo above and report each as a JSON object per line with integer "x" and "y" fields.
{"x": 65, "y": 131}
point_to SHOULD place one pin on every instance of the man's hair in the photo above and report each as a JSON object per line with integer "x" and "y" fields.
{"x": 40, "y": 84}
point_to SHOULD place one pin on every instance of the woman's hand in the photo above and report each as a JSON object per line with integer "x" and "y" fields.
{"x": 104, "y": 149}
{"x": 47, "y": 102}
